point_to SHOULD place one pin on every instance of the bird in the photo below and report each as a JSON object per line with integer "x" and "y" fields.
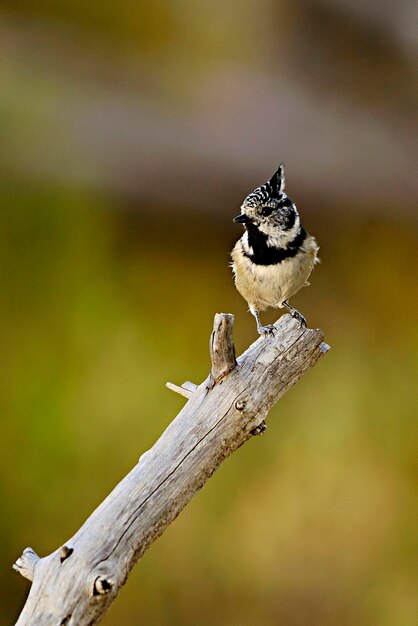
{"x": 274, "y": 257}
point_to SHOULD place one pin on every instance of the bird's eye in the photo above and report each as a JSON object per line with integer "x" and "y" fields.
{"x": 266, "y": 211}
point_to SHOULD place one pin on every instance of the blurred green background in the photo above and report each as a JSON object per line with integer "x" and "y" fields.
{"x": 131, "y": 132}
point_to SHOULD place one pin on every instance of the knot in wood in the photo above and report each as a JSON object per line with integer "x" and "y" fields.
{"x": 65, "y": 552}
{"x": 260, "y": 429}
{"x": 241, "y": 404}
{"x": 102, "y": 585}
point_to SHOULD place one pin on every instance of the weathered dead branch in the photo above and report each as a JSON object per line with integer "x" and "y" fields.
{"x": 77, "y": 583}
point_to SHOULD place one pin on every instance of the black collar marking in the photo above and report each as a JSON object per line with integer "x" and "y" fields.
{"x": 266, "y": 255}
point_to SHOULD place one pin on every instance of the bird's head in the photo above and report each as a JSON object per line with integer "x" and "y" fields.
{"x": 268, "y": 208}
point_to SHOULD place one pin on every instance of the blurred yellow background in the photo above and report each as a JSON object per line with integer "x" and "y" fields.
{"x": 131, "y": 132}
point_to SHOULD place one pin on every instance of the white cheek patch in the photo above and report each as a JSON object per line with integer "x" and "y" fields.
{"x": 269, "y": 228}
{"x": 292, "y": 232}
{"x": 247, "y": 249}
{"x": 280, "y": 238}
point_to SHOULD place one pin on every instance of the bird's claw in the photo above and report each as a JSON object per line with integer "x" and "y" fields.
{"x": 301, "y": 319}
{"x": 267, "y": 330}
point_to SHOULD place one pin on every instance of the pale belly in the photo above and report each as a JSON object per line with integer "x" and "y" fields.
{"x": 265, "y": 286}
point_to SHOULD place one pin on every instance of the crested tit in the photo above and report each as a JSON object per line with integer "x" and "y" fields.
{"x": 275, "y": 256}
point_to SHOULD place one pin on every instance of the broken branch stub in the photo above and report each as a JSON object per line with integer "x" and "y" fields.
{"x": 221, "y": 346}
{"x": 26, "y": 563}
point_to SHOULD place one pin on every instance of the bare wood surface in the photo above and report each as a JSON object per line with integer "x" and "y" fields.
{"x": 77, "y": 583}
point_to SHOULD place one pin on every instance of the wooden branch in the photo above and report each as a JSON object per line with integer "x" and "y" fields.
{"x": 77, "y": 583}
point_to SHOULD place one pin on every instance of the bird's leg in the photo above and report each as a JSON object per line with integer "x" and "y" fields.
{"x": 262, "y": 330}
{"x": 295, "y": 313}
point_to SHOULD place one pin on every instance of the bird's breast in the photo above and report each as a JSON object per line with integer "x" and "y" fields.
{"x": 266, "y": 286}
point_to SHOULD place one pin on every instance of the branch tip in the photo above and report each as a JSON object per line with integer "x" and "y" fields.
{"x": 26, "y": 563}
{"x": 182, "y": 391}
{"x": 189, "y": 386}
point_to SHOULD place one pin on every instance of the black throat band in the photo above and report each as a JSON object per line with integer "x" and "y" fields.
{"x": 267, "y": 255}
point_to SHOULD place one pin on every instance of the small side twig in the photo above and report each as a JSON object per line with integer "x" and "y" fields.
{"x": 186, "y": 390}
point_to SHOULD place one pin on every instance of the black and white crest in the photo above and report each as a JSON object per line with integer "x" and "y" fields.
{"x": 272, "y": 222}
{"x": 273, "y": 189}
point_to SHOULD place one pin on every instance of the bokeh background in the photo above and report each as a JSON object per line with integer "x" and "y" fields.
{"x": 130, "y": 133}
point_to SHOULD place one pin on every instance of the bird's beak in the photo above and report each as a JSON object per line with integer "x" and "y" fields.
{"x": 241, "y": 219}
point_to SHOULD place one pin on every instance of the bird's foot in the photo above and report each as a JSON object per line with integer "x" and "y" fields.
{"x": 295, "y": 313}
{"x": 266, "y": 331}
{"x": 298, "y": 316}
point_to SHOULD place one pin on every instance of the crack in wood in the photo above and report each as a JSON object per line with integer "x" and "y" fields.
{"x": 170, "y": 475}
